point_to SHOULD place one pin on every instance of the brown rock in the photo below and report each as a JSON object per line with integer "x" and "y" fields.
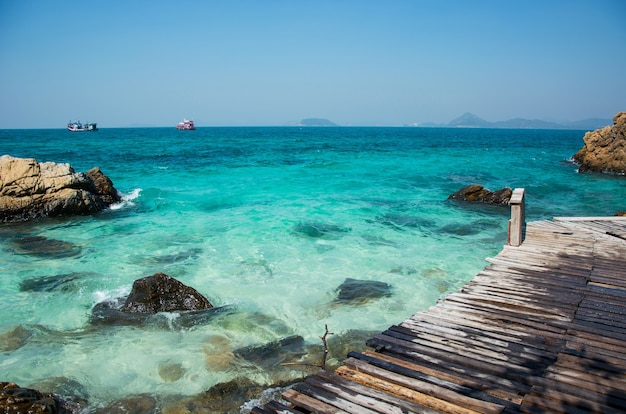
{"x": 163, "y": 293}
{"x": 478, "y": 194}
{"x": 605, "y": 149}
{"x": 29, "y": 190}
{"x": 15, "y": 399}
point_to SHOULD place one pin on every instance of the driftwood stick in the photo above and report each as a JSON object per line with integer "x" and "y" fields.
{"x": 323, "y": 338}
{"x": 324, "y": 356}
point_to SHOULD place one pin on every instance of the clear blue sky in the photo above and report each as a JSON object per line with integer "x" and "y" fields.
{"x": 355, "y": 62}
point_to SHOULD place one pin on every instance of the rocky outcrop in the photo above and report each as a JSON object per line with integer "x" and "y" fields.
{"x": 605, "y": 149}
{"x": 15, "y": 399}
{"x": 163, "y": 293}
{"x": 476, "y": 193}
{"x": 29, "y": 189}
{"x": 152, "y": 295}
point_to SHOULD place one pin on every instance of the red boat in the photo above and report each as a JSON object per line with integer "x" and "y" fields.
{"x": 186, "y": 124}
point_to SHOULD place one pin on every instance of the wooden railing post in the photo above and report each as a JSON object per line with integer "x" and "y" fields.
{"x": 518, "y": 221}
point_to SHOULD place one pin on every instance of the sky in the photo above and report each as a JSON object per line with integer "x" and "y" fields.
{"x": 270, "y": 62}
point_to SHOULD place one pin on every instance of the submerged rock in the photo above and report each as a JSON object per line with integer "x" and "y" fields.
{"x": 358, "y": 292}
{"x": 136, "y": 404}
{"x": 15, "y": 399}
{"x": 320, "y": 230}
{"x": 273, "y": 353}
{"x": 29, "y": 190}
{"x": 604, "y": 149}
{"x": 63, "y": 283}
{"x": 44, "y": 247}
{"x": 15, "y": 338}
{"x": 476, "y": 193}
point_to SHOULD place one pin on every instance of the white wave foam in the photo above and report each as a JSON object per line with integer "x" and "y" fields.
{"x": 127, "y": 200}
{"x": 106, "y": 295}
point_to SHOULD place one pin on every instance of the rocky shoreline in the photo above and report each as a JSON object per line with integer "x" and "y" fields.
{"x": 605, "y": 149}
{"x": 31, "y": 190}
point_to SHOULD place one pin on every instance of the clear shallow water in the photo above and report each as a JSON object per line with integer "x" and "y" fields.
{"x": 268, "y": 221}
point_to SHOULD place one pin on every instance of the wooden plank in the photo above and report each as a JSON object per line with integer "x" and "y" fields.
{"x": 402, "y": 392}
{"x": 483, "y": 345}
{"x": 310, "y": 403}
{"x": 541, "y": 404}
{"x": 411, "y": 370}
{"x": 396, "y": 402}
{"x": 334, "y": 396}
{"x": 425, "y": 387}
{"x": 471, "y": 335}
{"x": 349, "y": 400}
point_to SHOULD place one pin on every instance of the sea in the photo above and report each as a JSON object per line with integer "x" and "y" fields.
{"x": 290, "y": 232}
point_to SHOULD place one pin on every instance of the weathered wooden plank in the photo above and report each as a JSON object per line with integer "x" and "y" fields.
{"x": 438, "y": 391}
{"x": 409, "y": 394}
{"x": 335, "y": 397}
{"x": 478, "y": 329}
{"x": 515, "y": 372}
{"x": 310, "y": 403}
{"x": 577, "y": 397}
{"x": 409, "y": 370}
{"x": 395, "y": 402}
{"x": 479, "y": 353}
{"x": 488, "y": 345}
{"x": 276, "y": 407}
{"x": 575, "y": 375}
{"x": 506, "y": 392}
{"x": 460, "y": 368}
{"x": 492, "y": 314}
{"x": 541, "y": 404}
{"x": 482, "y": 335}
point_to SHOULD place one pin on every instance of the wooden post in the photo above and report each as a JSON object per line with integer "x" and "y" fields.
{"x": 518, "y": 221}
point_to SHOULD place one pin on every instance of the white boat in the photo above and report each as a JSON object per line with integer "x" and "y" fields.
{"x": 186, "y": 124}
{"x": 76, "y": 126}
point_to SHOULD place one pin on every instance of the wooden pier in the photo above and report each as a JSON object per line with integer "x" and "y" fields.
{"x": 541, "y": 329}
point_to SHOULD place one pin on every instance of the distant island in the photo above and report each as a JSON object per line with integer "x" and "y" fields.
{"x": 316, "y": 122}
{"x": 469, "y": 120}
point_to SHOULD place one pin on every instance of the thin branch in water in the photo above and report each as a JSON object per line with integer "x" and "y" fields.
{"x": 323, "y": 338}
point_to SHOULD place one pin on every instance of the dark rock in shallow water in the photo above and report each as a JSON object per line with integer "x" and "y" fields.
{"x": 149, "y": 298}
{"x": 476, "y": 193}
{"x": 110, "y": 313}
{"x": 162, "y": 293}
{"x": 321, "y": 230}
{"x": 15, "y": 338}
{"x": 40, "y": 246}
{"x": 403, "y": 221}
{"x": 15, "y": 399}
{"x": 63, "y": 283}
{"x": 358, "y": 292}
{"x": 273, "y": 353}
{"x": 137, "y": 404}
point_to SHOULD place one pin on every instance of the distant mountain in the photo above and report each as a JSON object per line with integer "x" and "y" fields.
{"x": 469, "y": 120}
{"x": 316, "y": 122}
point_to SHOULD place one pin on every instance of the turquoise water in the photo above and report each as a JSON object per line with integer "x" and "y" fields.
{"x": 267, "y": 222}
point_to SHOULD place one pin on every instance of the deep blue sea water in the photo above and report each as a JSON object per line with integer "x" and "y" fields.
{"x": 267, "y": 222}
